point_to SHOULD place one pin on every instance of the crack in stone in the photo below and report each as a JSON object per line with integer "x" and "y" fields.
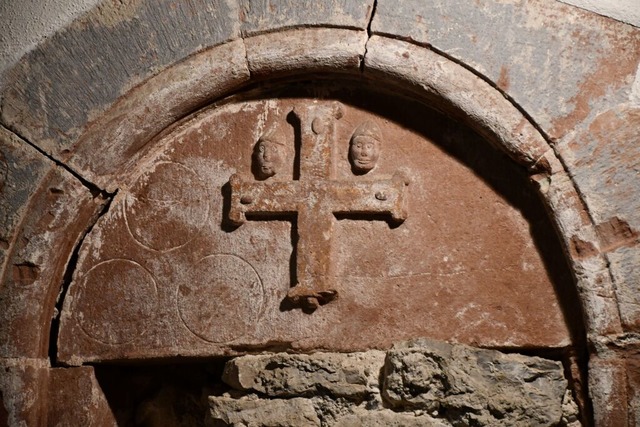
{"x": 68, "y": 277}
{"x": 94, "y": 189}
{"x": 246, "y": 57}
{"x": 369, "y": 33}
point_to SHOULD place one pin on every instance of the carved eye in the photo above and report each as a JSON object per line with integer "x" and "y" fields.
{"x": 261, "y": 148}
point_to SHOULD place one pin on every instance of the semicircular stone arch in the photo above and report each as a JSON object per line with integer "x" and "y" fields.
{"x": 127, "y": 132}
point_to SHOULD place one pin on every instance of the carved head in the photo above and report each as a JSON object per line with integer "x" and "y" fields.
{"x": 364, "y": 148}
{"x": 268, "y": 156}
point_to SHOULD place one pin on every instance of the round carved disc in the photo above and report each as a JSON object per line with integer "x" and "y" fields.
{"x": 223, "y": 298}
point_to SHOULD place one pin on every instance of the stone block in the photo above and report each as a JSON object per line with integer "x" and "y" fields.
{"x": 266, "y": 16}
{"x": 21, "y": 170}
{"x": 604, "y": 160}
{"x": 625, "y": 270}
{"x": 122, "y": 133}
{"x": 351, "y": 375}
{"x": 76, "y": 399}
{"x": 23, "y": 388}
{"x": 254, "y": 412}
{"x": 306, "y": 50}
{"x": 608, "y": 389}
{"x": 50, "y": 95}
{"x": 470, "y": 263}
{"x": 60, "y": 210}
{"x": 474, "y": 386}
{"x": 540, "y": 53}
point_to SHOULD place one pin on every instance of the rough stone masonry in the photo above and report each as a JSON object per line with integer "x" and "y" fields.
{"x": 417, "y": 383}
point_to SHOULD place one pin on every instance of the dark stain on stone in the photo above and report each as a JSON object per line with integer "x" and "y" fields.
{"x": 25, "y": 273}
{"x": 609, "y": 73}
{"x": 503, "y": 80}
{"x": 4, "y": 171}
{"x": 4, "y": 415}
{"x": 615, "y": 233}
{"x": 581, "y": 249}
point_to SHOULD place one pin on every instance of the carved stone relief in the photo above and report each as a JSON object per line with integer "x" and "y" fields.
{"x": 249, "y": 215}
{"x": 315, "y": 197}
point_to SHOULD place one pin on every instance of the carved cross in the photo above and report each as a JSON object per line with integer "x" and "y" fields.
{"x": 315, "y": 198}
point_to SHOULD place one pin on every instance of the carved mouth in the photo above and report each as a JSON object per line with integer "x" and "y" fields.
{"x": 363, "y": 162}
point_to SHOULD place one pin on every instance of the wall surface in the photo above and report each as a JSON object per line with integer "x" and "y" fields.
{"x": 623, "y": 10}
{"x": 555, "y": 88}
{"x": 26, "y": 23}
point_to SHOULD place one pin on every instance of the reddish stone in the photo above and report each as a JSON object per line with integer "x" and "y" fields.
{"x": 76, "y": 399}
{"x": 608, "y": 391}
{"x": 23, "y": 385}
{"x": 60, "y": 209}
{"x": 166, "y": 272}
{"x": 633, "y": 372}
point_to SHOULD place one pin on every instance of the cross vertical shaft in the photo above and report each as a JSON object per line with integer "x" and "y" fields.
{"x": 314, "y": 199}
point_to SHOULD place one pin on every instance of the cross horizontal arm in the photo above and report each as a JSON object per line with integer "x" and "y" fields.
{"x": 266, "y": 198}
{"x": 385, "y": 196}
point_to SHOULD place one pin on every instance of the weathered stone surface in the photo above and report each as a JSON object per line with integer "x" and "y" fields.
{"x": 466, "y": 97}
{"x": 253, "y": 412}
{"x": 122, "y": 133}
{"x": 541, "y": 53}
{"x": 462, "y": 265}
{"x": 608, "y": 388}
{"x": 614, "y": 379}
{"x": 593, "y": 281}
{"x": 265, "y": 16}
{"x": 37, "y": 260}
{"x": 75, "y": 399}
{"x": 624, "y": 264}
{"x": 621, "y": 10}
{"x": 50, "y": 95}
{"x": 633, "y": 373}
{"x": 424, "y": 383}
{"x": 387, "y": 418}
{"x": 353, "y": 375}
{"x": 21, "y": 170}
{"x": 305, "y": 50}
{"x": 23, "y": 386}
{"x": 604, "y": 159}
{"x": 473, "y": 386}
